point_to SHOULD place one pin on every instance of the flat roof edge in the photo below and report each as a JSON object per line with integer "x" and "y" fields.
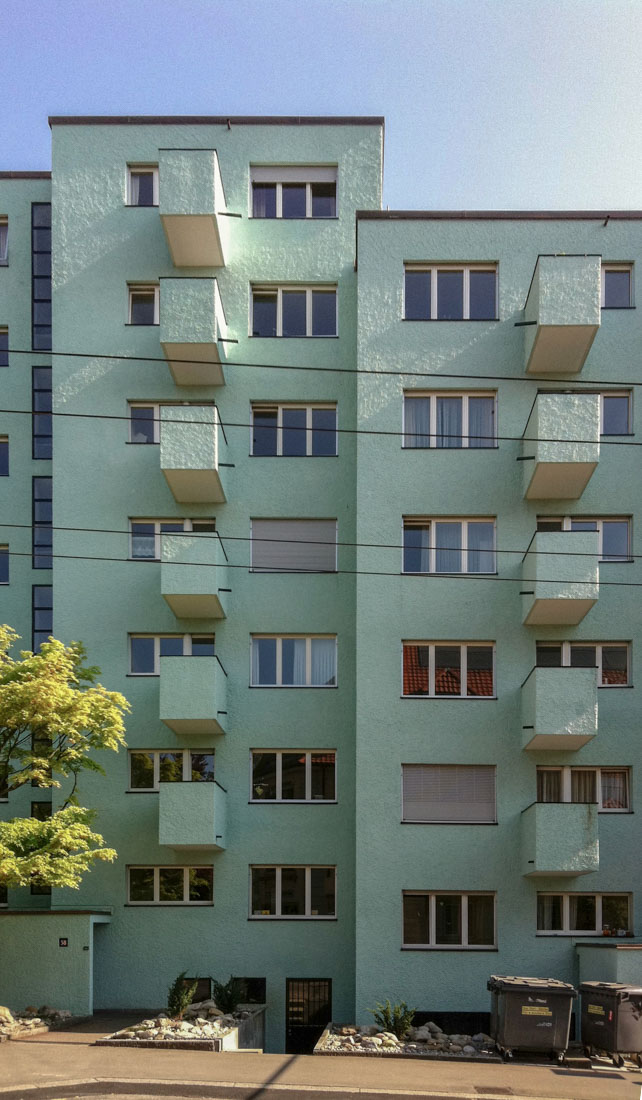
{"x": 497, "y": 215}
{"x": 216, "y": 120}
{"x": 25, "y": 175}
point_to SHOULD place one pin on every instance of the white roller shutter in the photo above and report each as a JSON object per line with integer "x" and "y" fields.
{"x": 294, "y": 545}
{"x": 293, "y": 173}
{"x": 449, "y": 792}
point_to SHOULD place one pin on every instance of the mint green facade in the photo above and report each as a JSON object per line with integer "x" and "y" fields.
{"x": 203, "y": 371}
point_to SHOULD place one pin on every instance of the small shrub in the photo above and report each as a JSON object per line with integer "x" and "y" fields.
{"x": 227, "y": 995}
{"x": 179, "y": 996}
{"x": 394, "y": 1018}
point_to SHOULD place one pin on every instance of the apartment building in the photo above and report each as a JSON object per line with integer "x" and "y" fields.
{"x": 343, "y": 502}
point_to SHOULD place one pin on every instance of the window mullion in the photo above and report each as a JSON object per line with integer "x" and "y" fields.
{"x": 434, "y": 313}
{"x": 598, "y": 912}
{"x": 278, "y": 891}
{"x": 465, "y": 441}
{"x": 279, "y": 312}
{"x": 466, "y": 302}
{"x": 566, "y": 654}
{"x": 432, "y": 548}
{"x": 308, "y": 200}
{"x": 187, "y": 773}
{"x": 598, "y": 661}
{"x": 566, "y": 919}
{"x": 431, "y": 670}
{"x": 279, "y": 430}
{"x": 279, "y": 663}
{"x": 567, "y": 787}
{"x": 279, "y": 776}
{"x": 464, "y": 546}
{"x": 156, "y": 418}
{"x": 308, "y": 429}
{"x": 432, "y": 919}
{"x": 463, "y": 687}
{"x": 308, "y": 776}
{"x": 308, "y": 312}
{"x": 308, "y": 892}
{"x": 156, "y": 772}
{"x": 433, "y": 421}
{"x": 464, "y": 920}
{"x": 279, "y": 200}
{"x": 308, "y": 661}
{"x": 187, "y": 645}
{"x": 156, "y": 884}
{"x": 157, "y": 654}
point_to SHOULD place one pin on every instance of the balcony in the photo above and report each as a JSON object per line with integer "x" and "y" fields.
{"x": 189, "y": 453}
{"x": 560, "y": 838}
{"x": 192, "y": 575}
{"x": 192, "y": 322}
{"x": 560, "y": 578}
{"x": 192, "y": 815}
{"x": 192, "y": 207}
{"x": 193, "y": 695}
{"x": 559, "y": 709}
{"x": 561, "y": 445}
{"x": 562, "y": 313}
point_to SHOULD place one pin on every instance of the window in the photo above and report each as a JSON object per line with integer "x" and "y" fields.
{"x": 40, "y": 889}
{"x": 145, "y": 650}
{"x": 142, "y": 185}
{"x": 449, "y": 420}
{"x": 41, "y": 421}
{"x": 448, "y": 545}
{"x": 450, "y": 292}
{"x": 149, "y": 768}
{"x": 286, "y": 775}
{"x": 610, "y": 659}
{"x": 4, "y": 565}
{"x": 42, "y": 537}
{"x": 613, "y": 534}
{"x": 4, "y": 242}
{"x": 448, "y": 792}
{"x": 447, "y": 669}
{"x": 294, "y": 311}
{"x": 170, "y": 885}
{"x": 144, "y": 423}
{"x": 41, "y": 810}
{"x": 583, "y": 914}
{"x": 4, "y": 783}
{"x": 294, "y": 430}
{"x": 608, "y": 787}
{"x": 617, "y": 286}
{"x": 4, "y": 347}
{"x": 448, "y": 920}
{"x": 143, "y": 304}
{"x": 294, "y": 661}
{"x": 145, "y": 534}
{"x": 4, "y": 897}
{"x": 615, "y": 413}
{"x": 304, "y": 892}
{"x": 297, "y": 191}
{"x": 41, "y": 276}
{"x": 41, "y": 614}
{"x": 294, "y": 545}
{"x": 4, "y": 456}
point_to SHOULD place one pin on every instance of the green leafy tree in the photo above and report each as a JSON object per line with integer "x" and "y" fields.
{"x": 53, "y": 717}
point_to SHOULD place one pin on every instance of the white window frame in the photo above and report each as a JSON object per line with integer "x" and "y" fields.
{"x": 567, "y": 521}
{"x": 617, "y": 393}
{"x": 308, "y": 915}
{"x": 4, "y": 254}
{"x": 278, "y": 408}
{"x": 463, "y": 672}
{"x": 599, "y": 646}
{"x": 566, "y": 929}
{"x": 294, "y": 519}
{"x": 433, "y": 434}
{"x": 616, "y": 267}
{"x": 155, "y": 419}
{"x": 133, "y": 169}
{"x": 304, "y": 174}
{"x": 187, "y": 647}
{"x": 308, "y": 638}
{"x": 429, "y": 521}
{"x": 432, "y": 920}
{"x": 143, "y": 288}
{"x": 167, "y": 867}
{"x": 566, "y": 778}
{"x": 267, "y": 288}
{"x": 189, "y": 525}
{"x": 156, "y": 754}
{"x": 309, "y": 753}
{"x": 465, "y": 268}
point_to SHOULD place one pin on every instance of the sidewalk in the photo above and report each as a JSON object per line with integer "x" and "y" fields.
{"x": 60, "y": 1064}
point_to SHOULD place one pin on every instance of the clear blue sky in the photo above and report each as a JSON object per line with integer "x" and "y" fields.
{"x": 488, "y": 103}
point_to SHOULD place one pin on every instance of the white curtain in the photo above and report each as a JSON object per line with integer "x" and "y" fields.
{"x": 549, "y": 912}
{"x": 583, "y": 786}
{"x": 582, "y": 915}
{"x": 416, "y": 422}
{"x": 323, "y": 661}
{"x": 134, "y": 188}
{"x": 481, "y": 548}
{"x": 449, "y": 421}
{"x": 4, "y": 238}
{"x": 448, "y": 547}
{"x": 614, "y": 790}
{"x": 549, "y": 786}
{"x": 481, "y": 416}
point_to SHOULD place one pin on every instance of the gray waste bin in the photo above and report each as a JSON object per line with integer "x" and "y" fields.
{"x": 530, "y": 1014}
{"x": 612, "y": 1019}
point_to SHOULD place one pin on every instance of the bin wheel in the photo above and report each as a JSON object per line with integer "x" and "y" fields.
{"x": 560, "y": 1058}
{"x": 638, "y": 1059}
{"x": 507, "y": 1055}
{"x": 618, "y": 1060}
{"x": 588, "y": 1050}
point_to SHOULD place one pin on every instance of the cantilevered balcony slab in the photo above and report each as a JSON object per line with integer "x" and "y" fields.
{"x": 560, "y": 578}
{"x": 192, "y": 575}
{"x": 562, "y": 313}
{"x": 560, "y": 839}
{"x": 193, "y": 330}
{"x": 192, "y": 815}
{"x": 189, "y": 453}
{"x": 193, "y": 695}
{"x": 561, "y": 446}
{"x": 559, "y": 709}
{"x": 192, "y": 207}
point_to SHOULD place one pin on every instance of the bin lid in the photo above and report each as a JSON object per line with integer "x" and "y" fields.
{"x": 497, "y": 982}
{"x": 610, "y": 988}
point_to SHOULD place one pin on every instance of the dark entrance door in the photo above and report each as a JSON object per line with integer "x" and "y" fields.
{"x": 308, "y": 1009}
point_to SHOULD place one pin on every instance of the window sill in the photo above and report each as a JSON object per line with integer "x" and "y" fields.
{"x": 616, "y": 435}
{"x": 447, "y": 947}
{"x": 475, "y": 450}
{"x": 292, "y": 801}
{"x": 474, "y": 823}
{"x": 582, "y": 936}
{"x": 330, "y": 218}
{"x": 294, "y": 687}
{"x": 143, "y": 675}
{"x": 613, "y": 687}
{"x": 458, "y": 698}
{"x": 451, "y": 576}
{"x": 292, "y": 456}
{"x": 452, "y": 320}
{"x": 258, "y": 918}
{"x": 133, "y": 324}
{"x": 609, "y": 308}
{"x": 312, "y": 336}
{"x": 140, "y": 206}
{"x": 143, "y": 443}
{"x": 168, "y": 905}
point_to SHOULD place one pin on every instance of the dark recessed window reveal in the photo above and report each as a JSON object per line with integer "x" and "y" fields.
{"x": 41, "y": 276}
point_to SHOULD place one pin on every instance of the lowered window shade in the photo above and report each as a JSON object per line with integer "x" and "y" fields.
{"x": 294, "y": 545}
{"x": 448, "y": 792}
{"x": 293, "y": 173}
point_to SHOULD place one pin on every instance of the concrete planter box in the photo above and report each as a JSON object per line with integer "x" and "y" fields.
{"x": 325, "y": 1048}
{"x": 248, "y": 1034}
